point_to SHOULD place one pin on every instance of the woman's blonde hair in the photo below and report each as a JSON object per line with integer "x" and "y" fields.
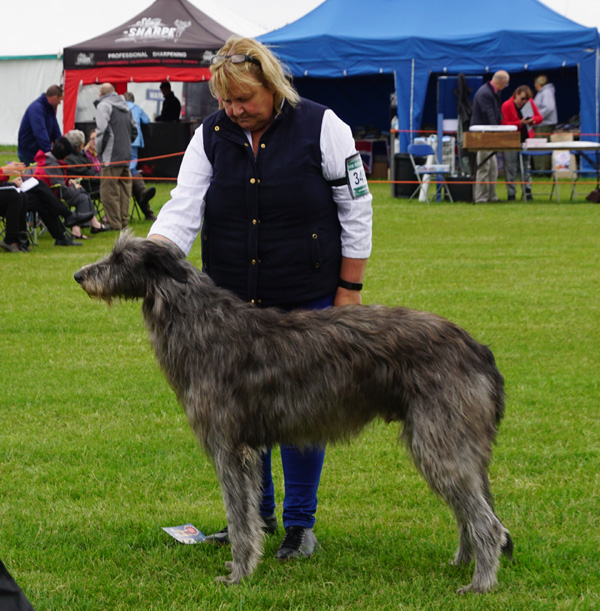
{"x": 269, "y": 72}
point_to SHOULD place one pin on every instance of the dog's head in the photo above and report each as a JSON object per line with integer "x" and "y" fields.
{"x": 132, "y": 269}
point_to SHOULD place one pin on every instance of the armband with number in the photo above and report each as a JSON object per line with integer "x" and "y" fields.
{"x": 355, "y": 177}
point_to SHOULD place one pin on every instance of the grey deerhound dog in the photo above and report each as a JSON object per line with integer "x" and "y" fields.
{"x": 251, "y": 378}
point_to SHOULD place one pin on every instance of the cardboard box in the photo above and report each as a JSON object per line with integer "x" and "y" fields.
{"x": 564, "y": 163}
{"x": 492, "y": 141}
{"x": 379, "y": 170}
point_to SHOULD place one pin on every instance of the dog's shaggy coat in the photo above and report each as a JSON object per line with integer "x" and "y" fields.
{"x": 251, "y": 378}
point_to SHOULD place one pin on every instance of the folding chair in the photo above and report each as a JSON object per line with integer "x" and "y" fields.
{"x": 135, "y": 210}
{"x": 532, "y": 172}
{"x": 578, "y": 171}
{"x": 424, "y": 171}
{"x": 35, "y": 227}
{"x": 94, "y": 192}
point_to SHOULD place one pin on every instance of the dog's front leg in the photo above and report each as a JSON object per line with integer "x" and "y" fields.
{"x": 239, "y": 473}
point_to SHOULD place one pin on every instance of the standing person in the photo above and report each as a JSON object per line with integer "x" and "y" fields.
{"x": 39, "y": 127}
{"x": 115, "y": 131}
{"x": 285, "y": 220}
{"x": 512, "y": 115}
{"x": 141, "y": 193}
{"x": 486, "y": 111}
{"x": 171, "y": 106}
{"x": 545, "y": 99}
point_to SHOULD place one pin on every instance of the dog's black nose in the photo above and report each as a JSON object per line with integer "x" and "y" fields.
{"x": 78, "y": 277}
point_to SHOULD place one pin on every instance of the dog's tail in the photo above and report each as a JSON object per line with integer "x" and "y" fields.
{"x": 496, "y": 381}
{"x": 507, "y": 547}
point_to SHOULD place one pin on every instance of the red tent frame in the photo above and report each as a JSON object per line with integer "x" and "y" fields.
{"x": 119, "y": 77}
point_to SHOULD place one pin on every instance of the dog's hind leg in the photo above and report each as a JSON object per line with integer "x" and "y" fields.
{"x": 457, "y": 472}
{"x": 239, "y": 474}
{"x": 465, "y": 552}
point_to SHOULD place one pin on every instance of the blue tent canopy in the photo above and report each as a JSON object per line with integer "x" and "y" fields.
{"x": 411, "y": 40}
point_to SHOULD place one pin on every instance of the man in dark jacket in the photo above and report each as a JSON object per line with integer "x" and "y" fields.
{"x": 171, "y": 106}
{"x": 486, "y": 111}
{"x": 115, "y": 131}
{"x": 39, "y": 127}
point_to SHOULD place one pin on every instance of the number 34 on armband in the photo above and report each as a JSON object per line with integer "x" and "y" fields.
{"x": 355, "y": 174}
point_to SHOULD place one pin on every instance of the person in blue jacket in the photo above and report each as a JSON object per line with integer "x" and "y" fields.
{"x": 275, "y": 187}
{"x": 39, "y": 127}
{"x": 142, "y": 194}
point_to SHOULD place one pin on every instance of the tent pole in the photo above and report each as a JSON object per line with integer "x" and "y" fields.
{"x": 412, "y": 100}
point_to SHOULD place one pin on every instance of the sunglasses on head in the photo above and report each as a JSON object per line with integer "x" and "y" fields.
{"x": 235, "y": 58}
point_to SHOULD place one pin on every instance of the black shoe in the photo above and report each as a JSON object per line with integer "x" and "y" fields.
{"x": 144, "y": 203}
{"x": 100, "y": 229}
{"x": 13, "y": 247}
{"x": 511, "y": 198}
{"x": 222, "y": 537}
{"x": 298, "y": 542}
{"x": 78, "y": 218}
{"x": 67, "y": 242}
{"x": 146, "y": 197}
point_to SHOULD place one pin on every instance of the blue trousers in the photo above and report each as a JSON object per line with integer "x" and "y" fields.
{"x": 301, "y": 471}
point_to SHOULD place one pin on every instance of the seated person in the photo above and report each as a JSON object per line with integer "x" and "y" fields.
{"x": 82, "y": 165}
{"x": 90, "y": 152}
{"x": 51, "y": 169}
{"x": 12, "y": 208}
{"x": 42, "y": 200}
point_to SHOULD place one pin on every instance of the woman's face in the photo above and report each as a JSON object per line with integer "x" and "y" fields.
{"x": 251, "y": 108}
{"x": 520, "y": 100}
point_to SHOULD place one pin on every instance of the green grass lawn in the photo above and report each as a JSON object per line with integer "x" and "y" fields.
{"x": 96, "y": 455}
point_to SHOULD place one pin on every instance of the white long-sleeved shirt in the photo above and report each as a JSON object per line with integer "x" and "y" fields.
{"x": 180, "y": 219}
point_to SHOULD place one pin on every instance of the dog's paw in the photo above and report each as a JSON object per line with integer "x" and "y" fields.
{"x": 232, "y": 579}
{"x": 473, "y": 589}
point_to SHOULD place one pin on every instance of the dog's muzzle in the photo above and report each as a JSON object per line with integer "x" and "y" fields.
{"x": 78, "y": 277}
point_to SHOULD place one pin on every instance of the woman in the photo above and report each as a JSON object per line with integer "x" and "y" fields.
{"x": 80, "y": 162}
{"x": 13, "y": 209}
{"x": 50, "y": 169}
{"x": 266, "y": 178}
{"x": 512, "y": 115}
{"x": 90, "y": 152}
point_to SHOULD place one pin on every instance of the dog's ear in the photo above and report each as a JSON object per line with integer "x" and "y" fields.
{"x": 165, "y": 259}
